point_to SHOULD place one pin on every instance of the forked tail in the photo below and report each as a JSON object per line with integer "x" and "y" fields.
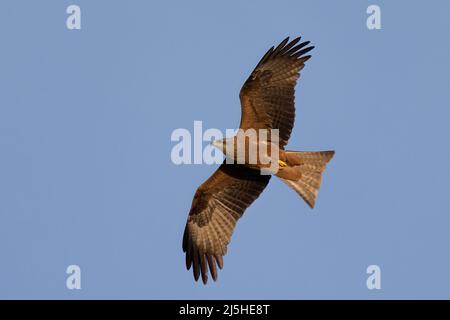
{"x": 303, "y": 172}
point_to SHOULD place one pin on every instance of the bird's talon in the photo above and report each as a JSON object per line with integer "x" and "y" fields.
{"x": 282, "y": 163}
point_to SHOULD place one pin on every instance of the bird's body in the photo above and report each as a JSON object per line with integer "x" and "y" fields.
{"x": 268, "y": 113}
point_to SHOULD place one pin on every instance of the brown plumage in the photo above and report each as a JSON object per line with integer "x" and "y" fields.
{"x": 218, "y": 203}
{"x": 267, "y": 97}
{"x": 267, "y": 102}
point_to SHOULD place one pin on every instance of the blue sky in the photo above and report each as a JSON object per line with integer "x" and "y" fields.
{"x": 86, "y": 176}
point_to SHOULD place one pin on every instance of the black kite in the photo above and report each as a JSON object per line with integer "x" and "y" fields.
{"x": 267, "y": 102}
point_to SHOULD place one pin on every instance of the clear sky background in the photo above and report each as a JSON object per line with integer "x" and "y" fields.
{"x": 86, "y": 176}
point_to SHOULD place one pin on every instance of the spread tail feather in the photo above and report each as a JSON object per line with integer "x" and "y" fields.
{"x": 303, "y": 172}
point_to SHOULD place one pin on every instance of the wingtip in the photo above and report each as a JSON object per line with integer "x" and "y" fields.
{"x": 204, "y": 278}
{"x": 219, "y": 260}
{"x": 306, "y": 58}
{"x": 281, "y": 46}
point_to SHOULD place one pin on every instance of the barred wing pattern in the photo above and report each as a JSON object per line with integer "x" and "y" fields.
{"x": 217, "y": 205}
{"x": 267, "y": 97}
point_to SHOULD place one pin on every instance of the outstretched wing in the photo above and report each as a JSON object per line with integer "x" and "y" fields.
{"x": 217, "y": 205}
{"x": 267, "y": 97}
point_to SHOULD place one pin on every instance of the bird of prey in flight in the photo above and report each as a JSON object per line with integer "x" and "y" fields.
{"x": 267, "y": 102}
